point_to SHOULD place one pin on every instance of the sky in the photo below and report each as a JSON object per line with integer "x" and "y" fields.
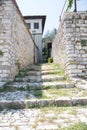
{"x": 51, "y": 8}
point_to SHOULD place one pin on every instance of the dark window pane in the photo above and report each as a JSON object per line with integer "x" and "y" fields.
{"x": 36, "y": 25}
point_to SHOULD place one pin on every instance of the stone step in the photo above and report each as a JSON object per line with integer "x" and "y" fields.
{"x": 42, "y": 68}
{"x": 47, "y": 93}
{"x": 42, "y": 98}
{"x": 40, "y": 85}
{"x": 42, "y": 95}
{"x": 39, "y": 73}
{"x": 60, "y": 102}
{"x": 40, "y": 78}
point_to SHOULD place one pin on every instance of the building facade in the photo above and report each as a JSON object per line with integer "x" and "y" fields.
{"x": 36, "y": 27}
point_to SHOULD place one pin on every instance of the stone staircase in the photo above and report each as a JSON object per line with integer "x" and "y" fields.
{"x": 36, "y": 89}
{"x": 30, "y": 84}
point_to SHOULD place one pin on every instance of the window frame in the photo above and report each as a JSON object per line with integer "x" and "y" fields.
{"x": 29, "y": 25}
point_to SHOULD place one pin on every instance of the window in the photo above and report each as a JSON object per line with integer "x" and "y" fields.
{"x": 29, "y": 25}
{"x": 49, "y": 45}
{"x": 36, "y": 25}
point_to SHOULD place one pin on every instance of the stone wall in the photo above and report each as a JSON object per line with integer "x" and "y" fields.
{"x": 70, "y": 45}
{"x": 16, "y": 43}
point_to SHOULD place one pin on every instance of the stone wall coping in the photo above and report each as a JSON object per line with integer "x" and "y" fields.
{"x": 71, "y": 14}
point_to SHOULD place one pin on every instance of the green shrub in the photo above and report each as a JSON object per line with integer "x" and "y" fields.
{"x": 18, "y": 64}
{"x": 83, "y": 43}
{"x": 45, "y": 51}
{"x": 50, "y": 60}
{"x": 47, "y": 87}
{"x": 1, "y": 53}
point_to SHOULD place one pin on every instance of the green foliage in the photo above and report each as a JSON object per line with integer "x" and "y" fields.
{"x": 49, "y": 36}
{"x": 38, "y": 93}
{"x": 1, "y": 53}
{"x": 78, "y": 126}
{"x": 83, "y": 43}
{"x": 45, "y": 51}
{"x": 58, "y": 69}
{"x": 22, "y": 73}
{"x": 57, "y": 87}
{"x": 47, "y": 87}
{"x": 45, "y": 54}
{"x": 7, "y": 88}
{"x": 1, "y": 109}
{"x": 50, "y": 60}
{"x": 18, "y": 64}
{"x": 70, "y": 3}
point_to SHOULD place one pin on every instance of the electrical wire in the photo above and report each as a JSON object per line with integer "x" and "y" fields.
{"x": 63, "y": 9}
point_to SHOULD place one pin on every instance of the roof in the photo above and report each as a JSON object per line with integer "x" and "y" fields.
{"x": 43, "y": 17}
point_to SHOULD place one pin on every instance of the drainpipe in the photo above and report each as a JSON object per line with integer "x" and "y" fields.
{"x": 34, "y": 46}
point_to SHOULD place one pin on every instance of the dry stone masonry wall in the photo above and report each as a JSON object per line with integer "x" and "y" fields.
{"x": 16, "y": 43}
{"x": 70, "y": 45}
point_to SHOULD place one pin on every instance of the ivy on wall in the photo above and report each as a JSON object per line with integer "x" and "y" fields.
{"x": 83, "y": 43}
{"x": 1, "y": 53}
{"x": 18, "y": 64}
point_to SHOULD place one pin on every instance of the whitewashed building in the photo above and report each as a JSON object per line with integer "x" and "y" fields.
{"x": 36, "y": 25}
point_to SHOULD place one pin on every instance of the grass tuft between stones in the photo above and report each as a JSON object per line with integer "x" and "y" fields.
{"x": 78, "y": 126}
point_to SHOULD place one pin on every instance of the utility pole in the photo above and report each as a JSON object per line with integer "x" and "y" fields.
{"x": 75, "y": 6}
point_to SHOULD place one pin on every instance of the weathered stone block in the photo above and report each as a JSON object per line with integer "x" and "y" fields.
{"x": 71, "y": 66}
{"x": 81, "y": 67}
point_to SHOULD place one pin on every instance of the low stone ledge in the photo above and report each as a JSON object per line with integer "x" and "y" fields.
{"x": 38, "y": 86}
{"x": 79, "y": 101}
{"x": 46, "y": 78}
{"x": 43, "y": 103}
{"x": 63, "y": 102}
